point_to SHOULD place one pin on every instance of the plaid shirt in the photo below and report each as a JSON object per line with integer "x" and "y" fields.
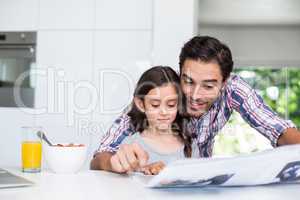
{"x": 236, "y": 95}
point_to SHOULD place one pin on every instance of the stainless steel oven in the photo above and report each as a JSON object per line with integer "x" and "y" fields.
{"x": 17, "y": 58}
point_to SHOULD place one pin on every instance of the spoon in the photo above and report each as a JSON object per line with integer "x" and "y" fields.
{"x": 42, "y": 135}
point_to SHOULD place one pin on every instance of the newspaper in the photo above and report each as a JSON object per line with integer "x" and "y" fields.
{"x": 273, "y": 166}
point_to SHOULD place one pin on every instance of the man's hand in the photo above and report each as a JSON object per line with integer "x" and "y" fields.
{"x": 289, "y": 136}
{"x": 129, "y": 157}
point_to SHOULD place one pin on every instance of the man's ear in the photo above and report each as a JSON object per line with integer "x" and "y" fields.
{"x": 224, "y": 83}
{"x": 139, "y": 103}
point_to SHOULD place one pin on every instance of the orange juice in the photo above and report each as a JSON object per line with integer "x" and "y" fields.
{"x": 31, "y": 156}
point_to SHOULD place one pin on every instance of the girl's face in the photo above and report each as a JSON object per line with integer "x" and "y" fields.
{"x": 160, "y": 106}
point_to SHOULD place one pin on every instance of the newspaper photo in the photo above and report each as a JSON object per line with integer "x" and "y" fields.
{"x": 274, "y": 166}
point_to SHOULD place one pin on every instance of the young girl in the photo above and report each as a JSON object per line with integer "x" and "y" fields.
{"x": 156, "y": 116}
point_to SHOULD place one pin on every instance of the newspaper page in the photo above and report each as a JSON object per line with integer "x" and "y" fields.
{"x": 273, "y": 166}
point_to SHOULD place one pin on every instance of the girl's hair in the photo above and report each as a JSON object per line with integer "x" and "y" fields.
{"x": 156, "y": 77}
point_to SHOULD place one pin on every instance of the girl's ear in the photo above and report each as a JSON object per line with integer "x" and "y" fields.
{"x": 139, "y": 104}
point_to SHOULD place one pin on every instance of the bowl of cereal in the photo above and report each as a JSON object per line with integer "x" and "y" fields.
{"x": 65, "y": 157}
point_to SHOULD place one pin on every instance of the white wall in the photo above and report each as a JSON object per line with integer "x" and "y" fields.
{"x": 89, "y": 54}
{"x": 10, "y": 144}
{"x": 272, "y": 46}
{"x": 252, "y": 12}
{"x": 259, "y": 32}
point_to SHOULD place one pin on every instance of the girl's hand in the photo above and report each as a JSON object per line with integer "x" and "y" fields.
{"x": 153, "y": 168}
{"x": 129, "y": 158}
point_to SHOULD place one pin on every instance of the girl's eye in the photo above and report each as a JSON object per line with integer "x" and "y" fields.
{"x": 172, "y": 105}
{"x": 155, "y": 105}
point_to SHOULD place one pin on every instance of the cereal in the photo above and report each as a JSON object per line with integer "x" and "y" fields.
{"x": 69, "y": 145}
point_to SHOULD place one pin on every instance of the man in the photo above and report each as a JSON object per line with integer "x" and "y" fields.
{"x": 211, "y": 94}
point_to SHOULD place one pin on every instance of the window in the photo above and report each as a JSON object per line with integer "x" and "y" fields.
{"x": 280, "y": 89}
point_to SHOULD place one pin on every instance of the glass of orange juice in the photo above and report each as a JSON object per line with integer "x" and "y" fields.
{"x": 31, "y": 149}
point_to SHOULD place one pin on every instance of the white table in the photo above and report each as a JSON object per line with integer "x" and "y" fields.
{"x": 102, "y": 185}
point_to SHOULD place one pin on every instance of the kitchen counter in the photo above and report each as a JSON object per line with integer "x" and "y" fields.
{"x": 102, "y": 185}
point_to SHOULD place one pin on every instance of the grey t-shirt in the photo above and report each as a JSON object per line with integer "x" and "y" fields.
{"x": 154, "y": 156}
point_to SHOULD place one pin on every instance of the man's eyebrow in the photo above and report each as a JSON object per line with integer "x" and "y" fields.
{"x": 205, "y": 81}
{"x": 210, "y": 81}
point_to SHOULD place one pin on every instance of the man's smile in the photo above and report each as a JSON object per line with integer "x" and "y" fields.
{"x": 197, "y": 105}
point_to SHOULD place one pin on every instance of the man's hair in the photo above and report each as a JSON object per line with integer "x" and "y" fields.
{"x": 207, "y": 49}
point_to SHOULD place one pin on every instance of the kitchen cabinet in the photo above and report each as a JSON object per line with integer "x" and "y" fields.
{"x": 19, "y": 15}
{"x": 66, "y": 14}
{"x": 129, "y": 14}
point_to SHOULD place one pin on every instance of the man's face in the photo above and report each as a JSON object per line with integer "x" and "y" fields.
{"x": 201, "y": 83}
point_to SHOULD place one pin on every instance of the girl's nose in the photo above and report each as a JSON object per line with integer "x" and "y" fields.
{"x": 163, "y": 111}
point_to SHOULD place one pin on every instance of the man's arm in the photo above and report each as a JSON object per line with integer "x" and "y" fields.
{"x": 129, "y": 157}
{"x": 260, "y": 116}
{"x": 114, "y": 156}
{"x": 101, "y": 161}
{"x": 110, "y": 142}
{"x": 290, "y": 136}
